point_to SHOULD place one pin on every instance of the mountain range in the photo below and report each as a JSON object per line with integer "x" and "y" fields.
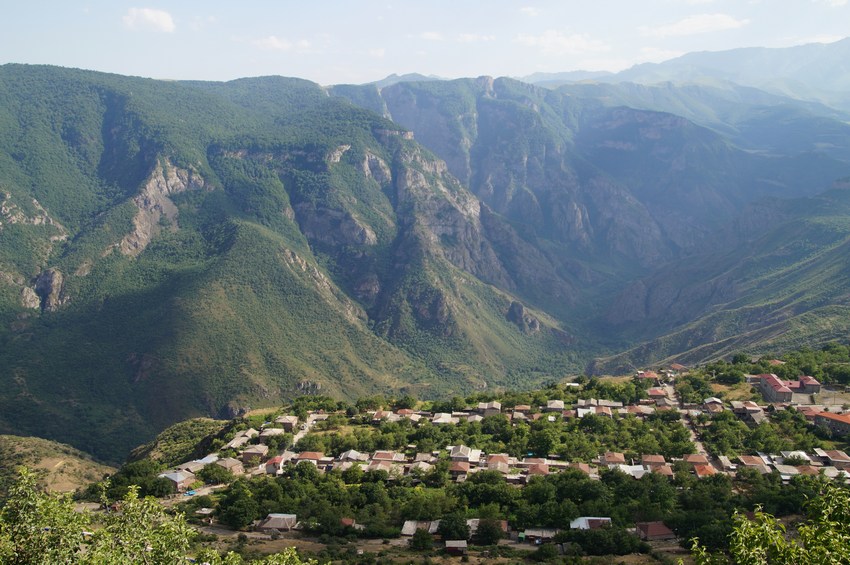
{"x": 171, "y": 249}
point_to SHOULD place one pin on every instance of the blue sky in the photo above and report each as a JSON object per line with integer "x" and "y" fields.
{"x": 355, "y": 41}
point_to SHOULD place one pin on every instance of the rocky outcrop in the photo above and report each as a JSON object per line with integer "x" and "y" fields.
{"x": 29, "y": 298}
{"x": 521, "y": 318}
{"x": 374, "y": 167}
{"x": 11, "y": 213}
{"x": 333, "y": 227}
{"x": 446, "y": 216}
{"x": 50, "y": 287}
{"x": 156, "y": 210}
{"x": 337, "y": 153}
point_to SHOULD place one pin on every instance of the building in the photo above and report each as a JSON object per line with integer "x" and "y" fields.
{"x": 490, "y": 408}
{"x": 181, "y": 480}
{"x": 288, "y": 423}
{"x": 838, "y": 424}
{"x": 653, "y": 531}
{"x": 277, "y": 523}
{"x": 590, "y": 523}
{"x": 775, "y": 389}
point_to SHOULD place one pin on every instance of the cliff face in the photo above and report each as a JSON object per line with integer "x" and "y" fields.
{"x": 155, "y": 209}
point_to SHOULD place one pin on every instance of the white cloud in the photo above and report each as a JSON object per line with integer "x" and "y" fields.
{"x": 431, "y": 36}
{"x": 529, "y": 11}
{"x": 831, "y": 3}
{"x": 552, "y": 42}
{"x": 474, "y": 38}
{"x": 273, "y": 43}
{"x": 148, "y": 19}
{"x": 378, "y": 53}
{"x": 693, "y": 25}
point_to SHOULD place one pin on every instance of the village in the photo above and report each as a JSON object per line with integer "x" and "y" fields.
{"x": 248, "y": 453}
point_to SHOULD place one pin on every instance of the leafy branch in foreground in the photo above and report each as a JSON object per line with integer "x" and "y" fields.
{"x": 39, "y": 527}
{"x": 823, "y": 539}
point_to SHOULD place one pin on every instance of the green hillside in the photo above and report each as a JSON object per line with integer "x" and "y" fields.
{"x": 171, "y": 250}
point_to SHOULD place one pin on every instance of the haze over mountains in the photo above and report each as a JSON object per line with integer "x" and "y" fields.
{"x": 172, "y": 249}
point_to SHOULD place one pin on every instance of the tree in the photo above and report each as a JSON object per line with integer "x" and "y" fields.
{"x": 489, "y": 532}
{"x": 286, "y": 557}
{"x": 141, "y": 532}
{"x": 823, "y": 538}
{"x": 421, "y": 540}
{"x": 39, "y": 527}
{"x": 215, "y": 474}
{"x": 453, "y": 526}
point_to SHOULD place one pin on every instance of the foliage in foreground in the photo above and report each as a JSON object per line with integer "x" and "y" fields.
{"x": 38, "y": 527}
{"x": 823, "y": 538}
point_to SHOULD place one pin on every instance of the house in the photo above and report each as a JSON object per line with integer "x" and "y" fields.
{"x": 233, "y": 465}
{"x": 241, "y": 438}
{"x": 702, "y": 471}
{"x": 490, "y": 408}
{"x": 464, "y": 453}
{"x": 695, "y": 459}
{"x": 590, "y": 523}
{"x": 391, "y": 456}
{"x": 274, "y": 466}
{"x": 538, "y": 535}
{"x": 458, "y": 468}
{"x": 838, "y": 424}
{"x": 256, "y": 453}
{"x": 753, "y": 462}
{"x": 652, "y": 460}
{"x": 288, "y": 423}
{"x": 726, "y": 463}
{"x": 181, "y": 480}
{"x": 277, "y": 523}
{"x": 656, "y": 393}
{"x": 635, "y": 471}
{"x": 650, "y": 376}
{"x": 786, "y": 471}
{"x": 554, "y": 406}
{"x": 665, "y": 470}
{"x": 456, "y": 547}
{"x": 613, "y": 458}
{"x": 310, "y": 456}
{"x": 654, "y": 531}
{"x": 421, "y": 467}
{"x": 834, "y": 458}
{"x": 270, "y": 433}
{"x": 410, "y": 526}
{"x": 353, "y": 455}
{"x": 443, "y": 418}
{"x": 541, "y": 469}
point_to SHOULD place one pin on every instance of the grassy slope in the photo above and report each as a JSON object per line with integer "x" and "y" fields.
{"x": 234, "y": 309}
{"x": 60, "y": 467}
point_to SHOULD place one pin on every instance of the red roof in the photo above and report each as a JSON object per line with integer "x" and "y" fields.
{"x": 310, "y": 455}
{"x": 843, "y": 418}
{"x": 704, "y": 470}
{"x": 459, "y": 467}
{"x": 696, "y": 459}
{"x": 539, "y": 469}
{"x": 652, "y": 530}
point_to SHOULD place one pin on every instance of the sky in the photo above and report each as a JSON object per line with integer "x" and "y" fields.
{"x": 358, "y": 41}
